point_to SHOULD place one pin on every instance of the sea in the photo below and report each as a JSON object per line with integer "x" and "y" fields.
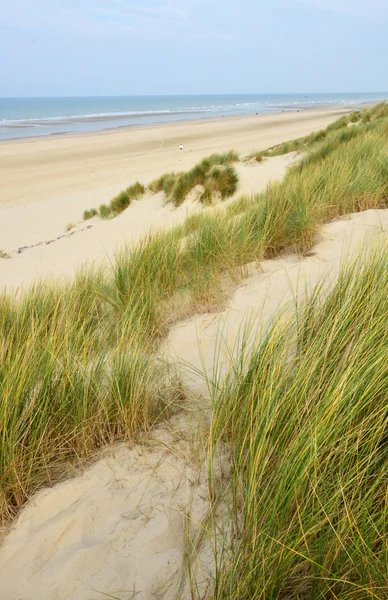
{"x": 33, "y": 117}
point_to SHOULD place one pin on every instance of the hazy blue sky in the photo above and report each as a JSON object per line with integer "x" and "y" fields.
{"x": 106, "y": 47}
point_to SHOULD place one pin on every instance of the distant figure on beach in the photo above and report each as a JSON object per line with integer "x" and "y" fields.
{"x": 181, "y": 147}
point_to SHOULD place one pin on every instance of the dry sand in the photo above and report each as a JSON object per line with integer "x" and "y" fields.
{"x": 123, "y": 525}
{"x": 275, "y": 284}
{"x": 121, "y": 528}
{"x": 48, "y": 183}
{"x": 96, "y": 240}
{"x": 100, "y": 164}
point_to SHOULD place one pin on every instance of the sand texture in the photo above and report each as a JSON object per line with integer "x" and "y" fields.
{"x": 122, "y": 526}
{"x": 271, "y": 286}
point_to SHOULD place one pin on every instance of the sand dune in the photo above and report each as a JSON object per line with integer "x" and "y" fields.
{"x": 43, "y": 222}
{"x": 274, "y": 284}
{"x": 121, "y": 527}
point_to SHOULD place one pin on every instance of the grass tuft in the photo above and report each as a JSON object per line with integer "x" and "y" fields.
{"x": 165, "y": 183}
{"x": 220, "y": 180}
{"x": 118, "y": 204}
{"x": 181, "y": 185}
{"x": 104, "y": 211}
{"x": 305, "y": 416}
{"x": 89, "y": 214}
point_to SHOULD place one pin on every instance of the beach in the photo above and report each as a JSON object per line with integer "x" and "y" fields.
{"x": 39, "y": 169}
{"x": 47, "y": 183}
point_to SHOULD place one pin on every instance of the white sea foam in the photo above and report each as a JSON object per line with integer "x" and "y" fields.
{"x": 22, "y": 117}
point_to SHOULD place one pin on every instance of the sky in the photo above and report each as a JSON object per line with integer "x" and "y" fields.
{"x": 120, "y": 47}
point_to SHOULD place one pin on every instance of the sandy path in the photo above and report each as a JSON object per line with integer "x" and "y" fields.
{"x": 276, "y": 283}
{"x": 122, "y": 526}
{"x": 95, "y": 240}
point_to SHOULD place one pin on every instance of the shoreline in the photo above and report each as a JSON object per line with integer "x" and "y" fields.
{"x": 201, "y": 119}
{"x": 90, "y": 168}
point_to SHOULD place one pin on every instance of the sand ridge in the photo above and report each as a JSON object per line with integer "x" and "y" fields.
{"x": 56, "y": 253}
{"x": 271, "y": 285}
{"x": 120, "y": 528}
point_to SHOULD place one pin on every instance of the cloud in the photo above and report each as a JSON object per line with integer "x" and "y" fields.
{"x": 140, "y": 18}
{"x": 171, "y": 18}
{"x": 364, "y": 8}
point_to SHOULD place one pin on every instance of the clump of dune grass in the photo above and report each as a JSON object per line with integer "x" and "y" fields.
{"x": 305, "y": 416}
{"x": 89, "y": 214}
{"x": 104, "y": 211}
{"x": 165, "y": 183}
{"x": 4, "y": 254}
{"x": 69, "y": 227}
{"x": 256, "y": 156}
{"x": 181, "y": 185}
{"x": 118, "y": 204}
{"x": 219, "y": 180}
{"x": 355, "y": 116}
{"x": 124, "y": 198}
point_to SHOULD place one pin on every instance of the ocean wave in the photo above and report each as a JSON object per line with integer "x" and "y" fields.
{"x": 227, "y": 107}
{"x": 34, "y": 117}
{"x": 106, "y": 115}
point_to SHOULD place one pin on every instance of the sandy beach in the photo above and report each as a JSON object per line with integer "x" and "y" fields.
{"x": 36, "y": 170}
{"x": 48, "y": 183}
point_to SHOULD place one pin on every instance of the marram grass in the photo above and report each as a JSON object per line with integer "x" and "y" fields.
{"x": 177, "y": 186}
{"x": 306, "y": 419}
{"x": 310, "y": 141}
{"x": 74, "y": 376}
{"x": 118, "y": 204}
